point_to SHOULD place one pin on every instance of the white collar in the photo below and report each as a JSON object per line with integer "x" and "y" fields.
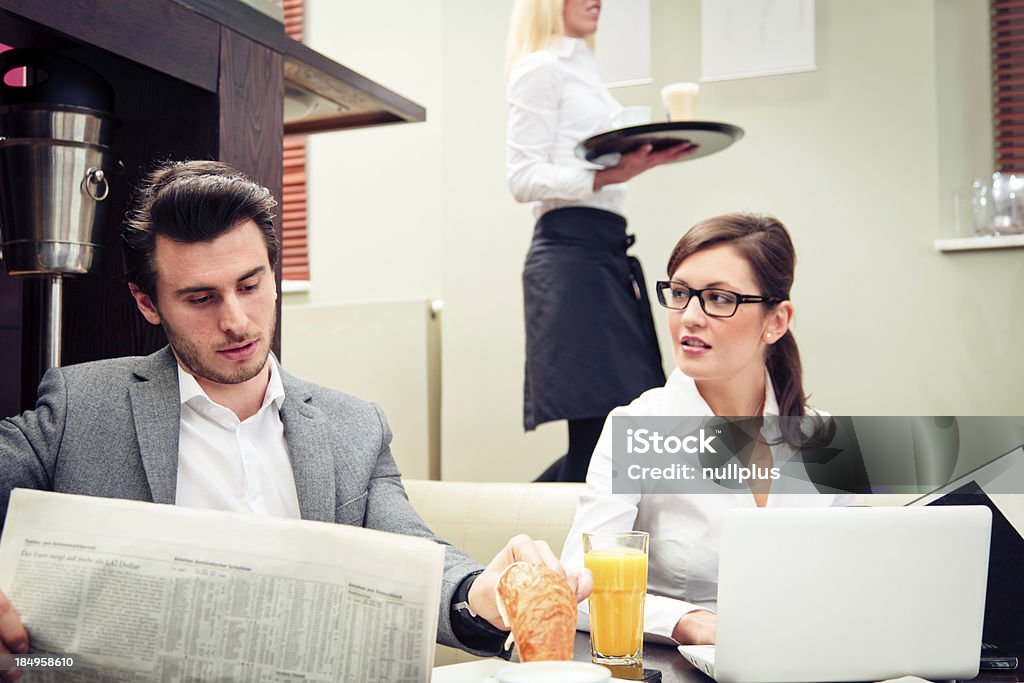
{"x": 189, "y": 389}
{"x": 564, "y": 47}
{"x": 685, "y": 388}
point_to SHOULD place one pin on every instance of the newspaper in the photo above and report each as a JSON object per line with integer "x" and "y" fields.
{"x": 145, "y": 592}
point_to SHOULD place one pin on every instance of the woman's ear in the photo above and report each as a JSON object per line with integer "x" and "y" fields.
{"x": 778, "y": 322}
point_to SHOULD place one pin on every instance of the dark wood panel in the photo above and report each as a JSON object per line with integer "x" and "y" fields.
{"x": 251, "y": 109}
{"x": 10, "y": 371}
{"x": 10, "y": 343}
{"x": 251, "y": 115}
{"x": 165, "y": 36}
{"x": 31, "y": 351}
{"x": 241, "y": 18}
{"x": 19, "y": 32}
{"x": 340, "y": 121}
{"x": 10, "y": 300}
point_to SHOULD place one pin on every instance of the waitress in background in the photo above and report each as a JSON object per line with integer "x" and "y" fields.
{"x": 590, "y": 340}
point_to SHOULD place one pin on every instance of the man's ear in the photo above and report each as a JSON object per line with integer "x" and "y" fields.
{"x": 145, "y": 304}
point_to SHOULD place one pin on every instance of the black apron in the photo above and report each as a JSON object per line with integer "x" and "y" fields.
{"x": 590, "y": 340}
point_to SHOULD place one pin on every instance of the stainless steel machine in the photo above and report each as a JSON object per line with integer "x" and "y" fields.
{"x": 56, "y": 125}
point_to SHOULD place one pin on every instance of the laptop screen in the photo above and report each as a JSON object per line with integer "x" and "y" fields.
{"x": 1004, "y": 626}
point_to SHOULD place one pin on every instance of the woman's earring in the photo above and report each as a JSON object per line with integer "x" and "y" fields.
{"x": 767, "y": 335}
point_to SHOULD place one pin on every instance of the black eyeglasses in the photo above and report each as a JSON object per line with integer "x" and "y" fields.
{"x": 718, "y": 303}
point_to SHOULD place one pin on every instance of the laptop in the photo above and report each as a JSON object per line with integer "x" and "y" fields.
{"x": 1003, "y": 632}
{"x": 849, "y": 594}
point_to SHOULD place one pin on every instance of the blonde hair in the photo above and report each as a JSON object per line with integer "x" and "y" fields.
{"x": 533, "y": 24}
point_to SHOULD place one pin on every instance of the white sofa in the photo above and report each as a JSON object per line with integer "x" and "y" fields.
{"x": 480, "y": 517}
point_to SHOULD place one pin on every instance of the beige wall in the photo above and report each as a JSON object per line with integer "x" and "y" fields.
{"x": 861, "y": 159}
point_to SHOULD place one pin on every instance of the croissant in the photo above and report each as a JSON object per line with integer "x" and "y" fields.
{"x": 540, "y": 609}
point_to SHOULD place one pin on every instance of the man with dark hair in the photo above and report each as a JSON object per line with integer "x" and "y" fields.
{"x": 211, "y": 420}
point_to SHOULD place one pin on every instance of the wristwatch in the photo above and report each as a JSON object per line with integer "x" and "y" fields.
{"x": 464, "y": 607}
{"x": 460, "y": 601}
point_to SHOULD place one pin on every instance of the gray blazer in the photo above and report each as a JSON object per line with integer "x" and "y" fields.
{"x": 110, "y": 428}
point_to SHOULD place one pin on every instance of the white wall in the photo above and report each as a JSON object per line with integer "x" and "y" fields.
{"x": 375, "y": 209}
{"x": 860, "y": 159}
{"x": 350, "y": 347}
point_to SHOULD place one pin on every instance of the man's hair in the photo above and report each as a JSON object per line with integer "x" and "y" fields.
{"x": 189, "y": 202}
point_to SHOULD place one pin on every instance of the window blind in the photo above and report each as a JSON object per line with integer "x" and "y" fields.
{"x": 295, "y": 239}
{"x": 1007, "y": 25}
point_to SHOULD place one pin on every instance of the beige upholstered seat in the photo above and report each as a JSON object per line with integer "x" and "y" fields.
{"x": 479, "y": 518}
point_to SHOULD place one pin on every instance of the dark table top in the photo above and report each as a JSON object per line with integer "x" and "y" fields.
{"x": 675, "y": 669}
{"x": 665, "y": 658}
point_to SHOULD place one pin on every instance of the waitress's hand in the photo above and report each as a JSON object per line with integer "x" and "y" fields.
{"x": 640, "y": 160}
{"x": 696, "y": 628}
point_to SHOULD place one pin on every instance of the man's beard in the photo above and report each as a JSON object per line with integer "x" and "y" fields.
{"x": 189, "y": 356}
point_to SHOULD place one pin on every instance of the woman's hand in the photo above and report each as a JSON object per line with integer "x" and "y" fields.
{"x": 640, "y": 160}
{"x": 696, "y": 628}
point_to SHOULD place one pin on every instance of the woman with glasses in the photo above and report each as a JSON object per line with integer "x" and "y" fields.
{"x": 590, "y": 340}
{"x": 729, "y": 317}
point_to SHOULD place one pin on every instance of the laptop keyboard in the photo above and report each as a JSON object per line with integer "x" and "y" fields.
{"x": 703, "y": 657}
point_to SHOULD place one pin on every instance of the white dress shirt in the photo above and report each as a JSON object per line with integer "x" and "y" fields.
{"x": 685, "y": 529}
{"x": 556, "y": 100}
{"x": 227, "y": 464}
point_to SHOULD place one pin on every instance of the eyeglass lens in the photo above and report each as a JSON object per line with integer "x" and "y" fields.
{"x": 715, "y": 302}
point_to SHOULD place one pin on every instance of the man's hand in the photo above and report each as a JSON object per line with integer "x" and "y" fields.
{"x": 696, "y": 628}
{"x": 640, "y": 160}
{"x": 13, "y": 636}
{"x": 520, "y": 548}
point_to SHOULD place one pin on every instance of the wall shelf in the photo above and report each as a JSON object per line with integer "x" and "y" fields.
{"x": 320, "y": 94}
{"x": 980, "y": 243}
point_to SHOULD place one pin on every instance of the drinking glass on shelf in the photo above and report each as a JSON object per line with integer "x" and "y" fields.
{"x": 981, "y": 206}
{"x": 1007, "y": 199}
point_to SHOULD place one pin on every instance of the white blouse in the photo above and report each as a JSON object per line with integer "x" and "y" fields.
{"x": 556, "y": 100}
{"x": 685, "y": 529}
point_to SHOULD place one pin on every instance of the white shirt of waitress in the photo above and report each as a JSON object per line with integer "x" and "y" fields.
{"x": 556, "y": 100}
{"x": 685, "y": 530}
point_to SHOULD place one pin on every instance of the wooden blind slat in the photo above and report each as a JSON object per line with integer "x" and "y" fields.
{"x": 998, "y": 6}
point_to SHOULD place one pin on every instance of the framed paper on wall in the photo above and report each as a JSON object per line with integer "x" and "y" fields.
{"x": 750, "y": 38}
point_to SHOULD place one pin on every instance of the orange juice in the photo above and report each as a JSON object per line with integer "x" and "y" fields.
{"x": 617, "y": 603}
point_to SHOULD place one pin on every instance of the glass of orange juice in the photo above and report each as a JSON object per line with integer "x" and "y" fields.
{"x": 618, "y": 562}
